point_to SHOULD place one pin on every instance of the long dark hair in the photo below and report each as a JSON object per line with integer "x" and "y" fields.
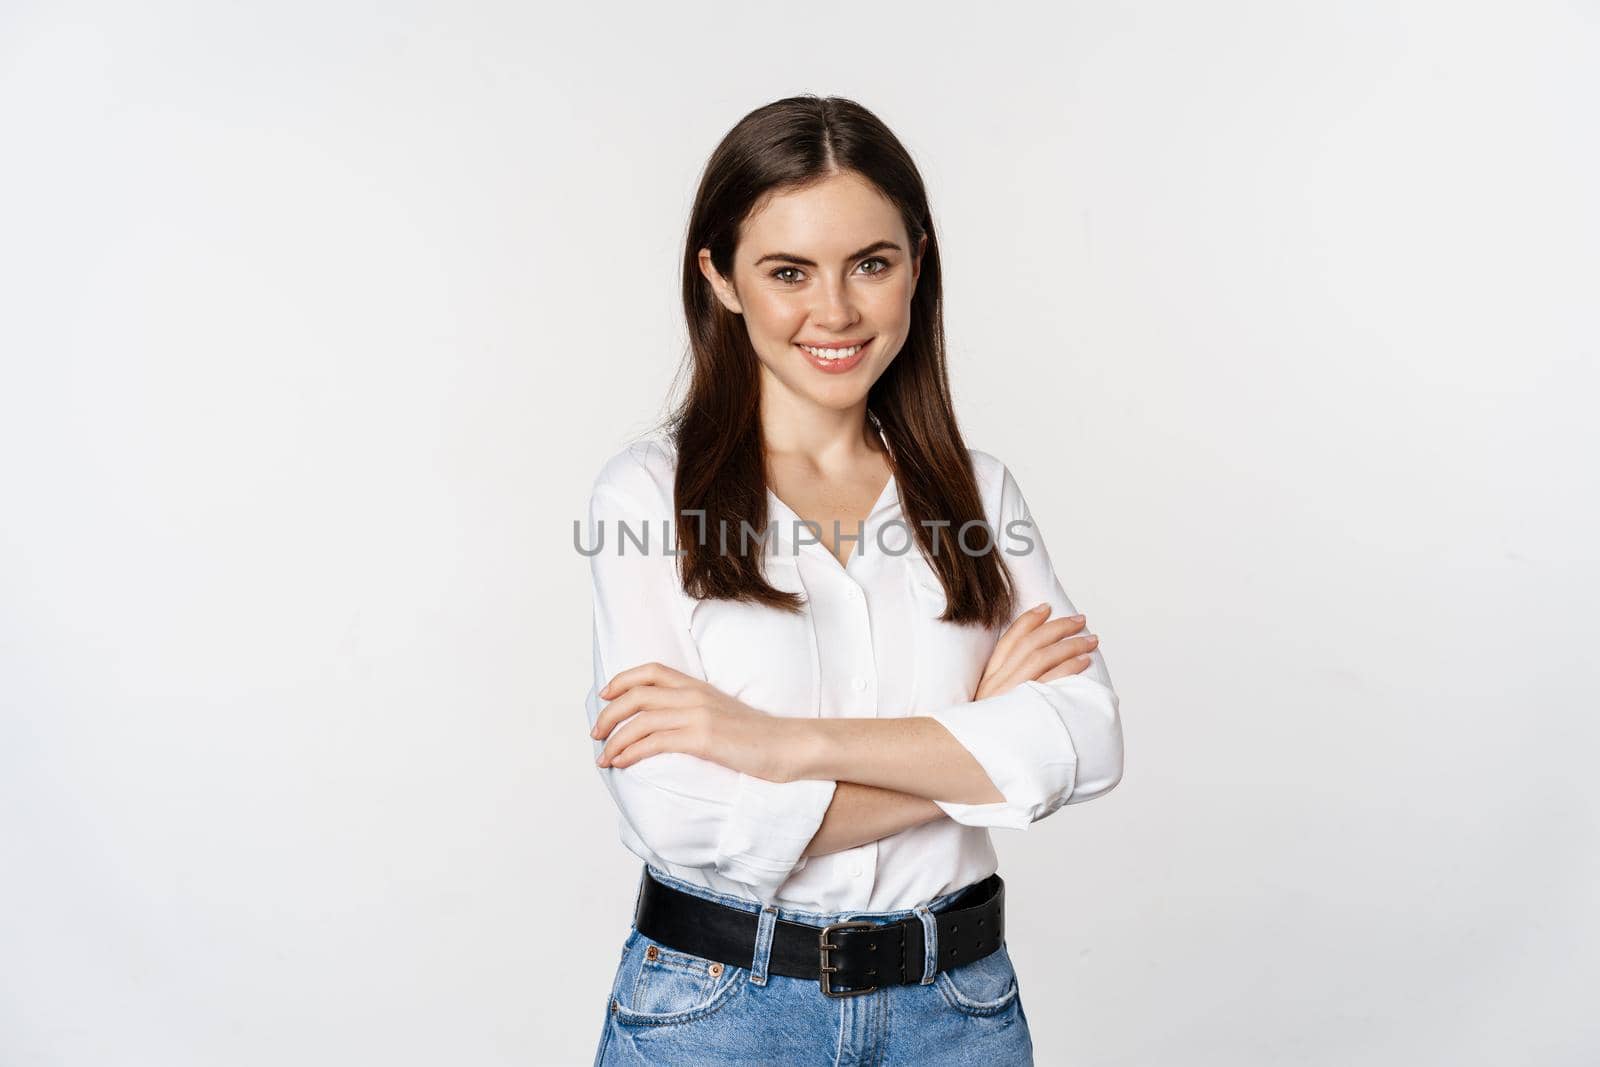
{"x": 721, "y": 467}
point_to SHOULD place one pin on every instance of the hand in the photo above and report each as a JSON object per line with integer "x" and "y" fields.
{"x": 1032, "y": 649}
{"x": 674, "y": 712}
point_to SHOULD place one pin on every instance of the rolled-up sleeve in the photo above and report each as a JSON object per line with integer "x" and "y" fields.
{"x": 684, "y": 810}
{"x": 1043, "y": 744}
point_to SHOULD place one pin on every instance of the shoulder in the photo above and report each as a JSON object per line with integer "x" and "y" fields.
{"x": 986, "y": 467}
{"x": 643, "y": 471}
{"x": 996, "y": 485}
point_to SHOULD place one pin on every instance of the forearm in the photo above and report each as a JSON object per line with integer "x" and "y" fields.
{"x": 862, "y": 813}
{"x": 914, "y": 755}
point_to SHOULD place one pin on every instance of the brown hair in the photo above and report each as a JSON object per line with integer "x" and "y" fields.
{"x": 721, "y": 467}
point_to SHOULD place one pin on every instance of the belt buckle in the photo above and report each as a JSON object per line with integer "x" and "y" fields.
{"x": 823, "y": 946}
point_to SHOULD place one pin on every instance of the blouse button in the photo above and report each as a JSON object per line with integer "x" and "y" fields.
{"x": 858, "y": 684}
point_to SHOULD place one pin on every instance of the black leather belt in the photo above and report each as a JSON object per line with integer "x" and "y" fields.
{"x": 859, "y": 955}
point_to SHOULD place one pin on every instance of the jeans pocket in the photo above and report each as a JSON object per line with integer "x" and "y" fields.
{"x": 661, "y": 985}
{"x": 985, "y": 986}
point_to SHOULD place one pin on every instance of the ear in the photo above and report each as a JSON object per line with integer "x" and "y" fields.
{"x": 916, "y": 264}
{"x": 719, "y": 285}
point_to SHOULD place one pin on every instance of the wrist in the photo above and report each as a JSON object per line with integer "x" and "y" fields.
{"x": 807, "y": 749}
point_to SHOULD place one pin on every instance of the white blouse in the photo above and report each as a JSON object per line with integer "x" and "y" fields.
{"x": 868, "y": 644}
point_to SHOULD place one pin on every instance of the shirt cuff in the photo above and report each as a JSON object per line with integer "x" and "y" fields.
{"x": 769, "y": 827}
{"x": 1021, "y": 740}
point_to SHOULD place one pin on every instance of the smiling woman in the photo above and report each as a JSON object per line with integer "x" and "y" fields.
{"x": 833, "y": 356}
{"x": 847, "y": 657}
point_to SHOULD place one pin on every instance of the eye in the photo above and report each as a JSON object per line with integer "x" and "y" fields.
{"x": 781, "y": 274}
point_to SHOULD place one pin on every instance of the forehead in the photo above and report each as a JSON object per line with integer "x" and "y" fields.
{"x": 828, "y": 219}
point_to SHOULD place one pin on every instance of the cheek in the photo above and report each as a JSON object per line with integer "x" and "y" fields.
{"x": 771, "y": 318}
{"x": 890, "y": 304}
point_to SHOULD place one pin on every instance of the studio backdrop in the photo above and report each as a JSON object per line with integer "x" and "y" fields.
{"x": 317, "y": 320}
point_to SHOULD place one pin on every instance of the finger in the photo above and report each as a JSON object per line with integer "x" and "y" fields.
{"x": 634, "y": 701}
{"x": 1051, "y": 632}
{"x": 1075, "y": 665}
{"x": 658, "y": 742}
{"x": 644, "y": 674}
{"x": 1022, "y": 624}
{"x": 1042, "y": 659}
{"x": 619, "y": 710}
{"x": 1031, "y": 640}
{"x": 631, "y": 732}
{"x": 1083, "y": 644}
{"x": 620, "y": 737}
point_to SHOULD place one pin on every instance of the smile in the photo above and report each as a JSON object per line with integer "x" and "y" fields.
{"x": 836, "y": 359}
{"x": 834, "y": 353}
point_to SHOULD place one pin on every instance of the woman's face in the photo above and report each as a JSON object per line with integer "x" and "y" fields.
{"x": 827, "y": 265}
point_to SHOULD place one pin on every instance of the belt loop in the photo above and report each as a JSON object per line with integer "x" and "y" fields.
{"x": 765, "y": 926}
{"x": 930, "y": 942}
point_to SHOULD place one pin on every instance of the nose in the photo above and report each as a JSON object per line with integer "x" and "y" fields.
{"x": 834, "y": 311}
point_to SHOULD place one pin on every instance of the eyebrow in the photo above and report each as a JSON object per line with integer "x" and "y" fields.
{"x": 876, "y": 246}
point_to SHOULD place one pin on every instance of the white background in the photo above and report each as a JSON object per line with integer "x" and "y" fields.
{"x": 316, "y": 323}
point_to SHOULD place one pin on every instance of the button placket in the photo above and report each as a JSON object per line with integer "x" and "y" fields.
{"x": 853, "y": 611}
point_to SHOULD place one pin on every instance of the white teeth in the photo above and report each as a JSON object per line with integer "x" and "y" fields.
{"x": 833, "y": 353}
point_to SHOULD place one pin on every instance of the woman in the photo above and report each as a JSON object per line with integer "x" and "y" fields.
{"x": 847, "y": 658}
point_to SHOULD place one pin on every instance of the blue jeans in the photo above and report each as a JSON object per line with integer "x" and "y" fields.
{"x": 669, "y": 1007}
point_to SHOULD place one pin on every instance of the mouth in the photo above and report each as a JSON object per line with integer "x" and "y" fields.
{"x": 835, "y": 357}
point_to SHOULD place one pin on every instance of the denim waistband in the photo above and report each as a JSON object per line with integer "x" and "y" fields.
{"x": 814, "y": 918}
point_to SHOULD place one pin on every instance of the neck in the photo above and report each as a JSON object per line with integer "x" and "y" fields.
{"x": 792, "y": 426}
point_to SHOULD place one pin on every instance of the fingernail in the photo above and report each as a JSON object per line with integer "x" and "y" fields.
{"x": 1043, "y": 607}
{"x": 1077, "y": 618}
